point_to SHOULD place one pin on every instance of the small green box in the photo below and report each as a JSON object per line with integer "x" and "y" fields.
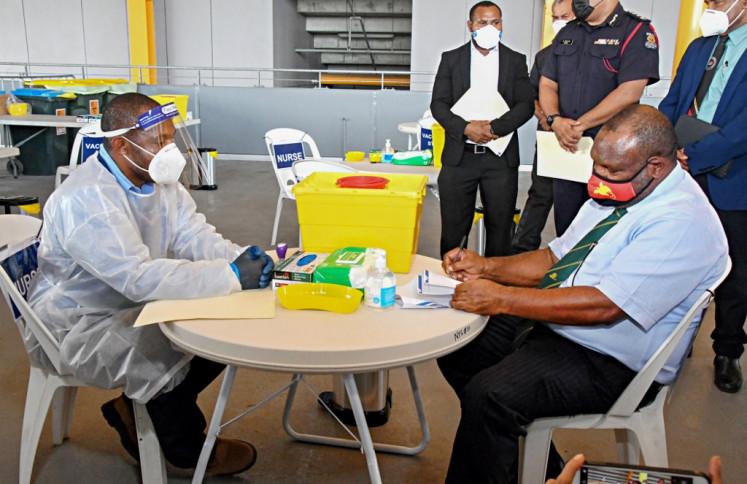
{"x": 336, "y": 267}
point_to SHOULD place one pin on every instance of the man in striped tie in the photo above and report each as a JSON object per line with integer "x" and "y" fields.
{"x": 572, "y": 324}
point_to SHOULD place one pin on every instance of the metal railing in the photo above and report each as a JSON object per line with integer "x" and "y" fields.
{"x": 201, "y": 75}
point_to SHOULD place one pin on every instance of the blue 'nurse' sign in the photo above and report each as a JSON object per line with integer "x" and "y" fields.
{"x": 286, "y": 155}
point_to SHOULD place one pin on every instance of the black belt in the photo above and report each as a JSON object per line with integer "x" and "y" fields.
{"x": 475, "y": 149}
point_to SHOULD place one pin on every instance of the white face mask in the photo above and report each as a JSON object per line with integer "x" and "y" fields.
{"x": 558, "y": 25}
{"x": 166, "y": 166}
{"x": 487, "y": 37}
{"x": 716, "y": 22}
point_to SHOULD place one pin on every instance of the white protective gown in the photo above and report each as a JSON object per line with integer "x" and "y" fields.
{"x": 104, "y": 253}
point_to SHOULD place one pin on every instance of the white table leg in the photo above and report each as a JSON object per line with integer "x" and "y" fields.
{"x": 214, "y": 428}
{"x": 363, "y": 432}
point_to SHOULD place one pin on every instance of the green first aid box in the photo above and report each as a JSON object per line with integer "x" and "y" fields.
{"x": 336, "y": 267}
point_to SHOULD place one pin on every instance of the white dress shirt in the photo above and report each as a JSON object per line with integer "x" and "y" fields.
{"x": 484, "y": 69}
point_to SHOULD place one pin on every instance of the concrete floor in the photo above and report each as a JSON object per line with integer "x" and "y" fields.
{"x": 701, "y": 421}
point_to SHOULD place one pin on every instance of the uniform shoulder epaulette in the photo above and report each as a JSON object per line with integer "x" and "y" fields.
{"x": 637, "y": 17}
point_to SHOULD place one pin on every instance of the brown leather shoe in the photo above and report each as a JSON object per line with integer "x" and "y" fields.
{"x": 231, "y": 456}
{"x": 121, "y": 417}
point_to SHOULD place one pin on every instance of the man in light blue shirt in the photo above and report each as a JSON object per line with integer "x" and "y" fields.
{"x": 711, "y": 84}
{"x": 105, "y": 158}
{"x": 736, "y": 44}
{"x": 608, "y": 292}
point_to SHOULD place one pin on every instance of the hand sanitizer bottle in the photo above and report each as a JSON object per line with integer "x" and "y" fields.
{"x": 388, "y": 154}
{"x": 381, "y": 286}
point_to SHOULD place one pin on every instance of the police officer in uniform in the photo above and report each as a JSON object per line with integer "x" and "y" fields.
{"x": 528, "y": 234}
{"x": 600, "y": 64}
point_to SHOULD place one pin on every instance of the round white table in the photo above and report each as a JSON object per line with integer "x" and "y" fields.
{"x": 410, "y": 129}
{"x": 303, "y": 342}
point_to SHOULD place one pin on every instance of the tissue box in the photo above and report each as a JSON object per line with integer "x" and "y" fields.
{"x": 336, "y": 267}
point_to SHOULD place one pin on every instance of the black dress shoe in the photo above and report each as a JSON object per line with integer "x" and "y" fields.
{"x": 727, "y": 374}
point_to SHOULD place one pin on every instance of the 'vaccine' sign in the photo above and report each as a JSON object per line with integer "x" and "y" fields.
{"x": 286, "y": 155}
{"x": 90, "y": 145}
{"x": 426, "y": 139}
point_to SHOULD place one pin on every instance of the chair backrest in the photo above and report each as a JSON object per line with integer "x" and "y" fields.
{"x": 285, "y": 147}
{"x": 87, "y": 141}
{"x": 302, "y": 169}
{"x": 14, "y": 278}
{"x": 631, "y": 398}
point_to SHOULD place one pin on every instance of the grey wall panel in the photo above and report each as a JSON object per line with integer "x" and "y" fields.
{"x": 437, "y": 25}
{"x": 241, "y": 37}
{"x": 106, "y": 35}
{"x": 55, "y": 33}
{"x": 188, "y": 40}
{"x": 235, "y": 120}
{"x": 391, "y": 108}
{"x": 13, "y": 33}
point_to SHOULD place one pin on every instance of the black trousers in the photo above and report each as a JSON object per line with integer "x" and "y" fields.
{"x": 502, "y": 389}
{"x": 457, "y": 187}
{"x": 568, "y": 197}
{"x": 729, "y": 336}
{"x": 178, "y": 421}
{"x": 528, "y": 234}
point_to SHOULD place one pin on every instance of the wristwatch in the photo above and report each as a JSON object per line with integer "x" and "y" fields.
{"x": 551, "y": 119}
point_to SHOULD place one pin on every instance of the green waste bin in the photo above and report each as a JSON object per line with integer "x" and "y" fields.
{"x": 117, "y": 89}
{"x": 42, "y": 154}
{"x": 89, "y": 99}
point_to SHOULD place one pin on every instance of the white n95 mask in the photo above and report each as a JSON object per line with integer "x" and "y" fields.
{"x": 716, "y": 22}
{"x": 487, "y": 37}
{"x": 166, "y": 166}
{"x": 558, "y": 25}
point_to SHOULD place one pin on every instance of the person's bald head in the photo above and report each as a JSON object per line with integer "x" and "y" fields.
{"x": 638, "y": 144}
{"x": 647, "y": 129}
{"x": 123, "y": 112}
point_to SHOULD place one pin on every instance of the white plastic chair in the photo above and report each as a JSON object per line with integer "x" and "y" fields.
{"x": 302, "y": 169}
{"x": 639, "y": 431}
{"x": 53, "y": 387}
{"x": 285, "y": 175}
{"x": 92, "y": 129}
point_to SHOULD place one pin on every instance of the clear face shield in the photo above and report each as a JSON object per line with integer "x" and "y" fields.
{"x": 164, "y": 138}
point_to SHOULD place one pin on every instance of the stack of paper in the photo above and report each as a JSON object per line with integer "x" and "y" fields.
{"x": 428, "y": 291}
{"x": 555, "y": 162}
{"x": 484, "y": 105}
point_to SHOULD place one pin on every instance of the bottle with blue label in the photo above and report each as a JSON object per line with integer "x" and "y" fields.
{"x": 388, "y": 153}
{"x": 381, "y": 286}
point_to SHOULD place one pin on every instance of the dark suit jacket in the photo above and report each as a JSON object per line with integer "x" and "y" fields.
{"x": 453, "y": 80}
{"x": 730, "y": 143}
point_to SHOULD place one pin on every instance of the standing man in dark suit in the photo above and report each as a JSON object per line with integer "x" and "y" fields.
{"x": 528, "y": 234}
{"x": 467, "y": 165}
{"x": 600, "y": 64}
{"x": 711, "y": 85}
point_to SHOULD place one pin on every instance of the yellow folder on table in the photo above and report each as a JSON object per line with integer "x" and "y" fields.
{"x": 257, "y": 304}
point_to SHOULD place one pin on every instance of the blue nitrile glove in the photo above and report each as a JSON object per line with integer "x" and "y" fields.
{"x": 253, "y": 268}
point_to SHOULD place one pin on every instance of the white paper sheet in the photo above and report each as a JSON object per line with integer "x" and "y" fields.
{"x": 484, "y": 104}
{"x": 257, "y": 304}
{"x": 555, "y": 162}
{"x": 419, "y": 294}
